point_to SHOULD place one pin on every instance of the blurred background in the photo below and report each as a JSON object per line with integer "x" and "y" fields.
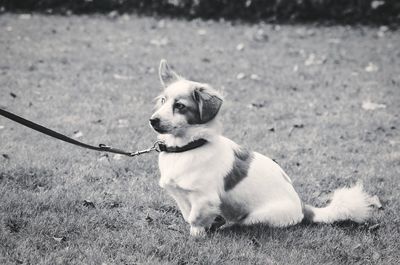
{"x": 343, "y": 11}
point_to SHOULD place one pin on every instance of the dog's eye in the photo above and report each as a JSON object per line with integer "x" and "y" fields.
{"x": 163, "y": 100}
{"x": 179, "y": 106}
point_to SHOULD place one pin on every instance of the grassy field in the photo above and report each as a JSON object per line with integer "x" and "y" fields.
{"x": 323, "y": 102}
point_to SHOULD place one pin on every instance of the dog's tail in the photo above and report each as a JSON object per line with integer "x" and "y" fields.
{"x": 352, "y": 204}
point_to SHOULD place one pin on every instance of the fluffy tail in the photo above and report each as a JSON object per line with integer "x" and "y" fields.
{"x": 346, "y": 204}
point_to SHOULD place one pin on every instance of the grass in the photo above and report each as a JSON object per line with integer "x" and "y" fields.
{"x": 60, "y": 204}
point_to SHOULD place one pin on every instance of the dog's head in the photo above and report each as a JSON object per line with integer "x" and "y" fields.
{"x": 183, "y": 104}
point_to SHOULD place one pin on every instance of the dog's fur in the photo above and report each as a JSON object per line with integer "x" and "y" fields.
{"x": 224, "y": 179}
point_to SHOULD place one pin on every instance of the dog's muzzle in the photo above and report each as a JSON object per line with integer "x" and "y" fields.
{"x": 155, "y": 123}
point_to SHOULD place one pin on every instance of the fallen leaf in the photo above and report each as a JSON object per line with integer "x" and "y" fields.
{"x": 174, "y": 2}
{"x": 376, "y": 256}
{"x": 302, "y": 32}
{"x": 150, "y": 70}
{"x": 384, "y": 28}
{"x": 356, "y": 246}
{"x": 240, "y": 47}
{"x": 240, "y": 76}
{"x": 122, "y": 77}
{"x": 161, "y": 24}
{"x": 276, "y": 27}
{"x": 126, "y": 17}
{"x": 296, "y": 126}
{"x": 78, "y": 134}
{"x": 59, "y": 239}
{"x": 160, "y": 42}
{"x": 117, "y": 157}
{"x": 123, "y": 123}
{"x": 88, "y": 204}
{"x": 374, "y": 227}
{"x": 148, "y": 219}
{"x": 103, "y": 158}
{"x": 258, "y": 105}
{"x": 261, "y": 36}
{"x": 25, "y": 16}
{"x": 113, "y": 14}
{"x": 255, "y": 77}
{"x": 202, "y": 32}
{"x": 380, "y": 34}
{"x": 313, "y": 60}
{"x": 371, "y": 67}
{"x": 334, "y": 41}
{"x": 368, "y": 105}
{"x": 376, "y": 4}
{"x": 115, "y": 205}
{"x": 174, "y": 228}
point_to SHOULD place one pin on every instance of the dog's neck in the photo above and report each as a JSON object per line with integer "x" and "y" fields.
{"x": 207, "y": 132}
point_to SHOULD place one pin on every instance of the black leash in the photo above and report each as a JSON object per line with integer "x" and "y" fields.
{"x": 101, "y": 147}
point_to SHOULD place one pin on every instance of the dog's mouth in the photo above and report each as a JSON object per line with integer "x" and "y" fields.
{"x": 158, "y": 128}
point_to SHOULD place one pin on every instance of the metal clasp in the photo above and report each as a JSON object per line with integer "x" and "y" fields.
{"x": 155, "y": 147}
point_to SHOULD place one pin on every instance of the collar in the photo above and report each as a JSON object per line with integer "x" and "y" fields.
{"x": 179, "y": 149}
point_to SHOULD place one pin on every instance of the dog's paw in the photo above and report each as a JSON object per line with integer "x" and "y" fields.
{"x": 197, "y": 231}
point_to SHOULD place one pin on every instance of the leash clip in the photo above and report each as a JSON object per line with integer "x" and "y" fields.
{"x": 155, "y": 147}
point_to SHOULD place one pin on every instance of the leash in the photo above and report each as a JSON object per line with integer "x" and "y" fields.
{"x": 157, "y": 146}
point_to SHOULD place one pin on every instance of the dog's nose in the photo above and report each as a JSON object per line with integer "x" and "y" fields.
{"x": 155, "y": 122}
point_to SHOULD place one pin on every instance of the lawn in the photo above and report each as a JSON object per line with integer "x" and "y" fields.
{"x": 322, "y": 101}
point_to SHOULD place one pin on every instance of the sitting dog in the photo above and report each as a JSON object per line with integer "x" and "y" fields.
{"x": 209, "y": 175}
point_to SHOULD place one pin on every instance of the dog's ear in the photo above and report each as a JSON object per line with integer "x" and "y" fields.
{"x": 166, "y": 74}
{"x": 209, "y": 103}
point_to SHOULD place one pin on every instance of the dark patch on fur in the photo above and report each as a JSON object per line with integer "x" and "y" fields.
{"x": 192, "y": 115}
{"x": 239, "y": 169}
{"x": 233, "y": 211}
{"x": 209, "y": 104}
{"x": 308, "y": 214}
{"x": 191, "y": 111}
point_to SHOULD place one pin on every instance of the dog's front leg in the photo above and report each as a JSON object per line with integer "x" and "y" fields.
{"x": 183, "y": 204}
{"x": 201, "y": 217}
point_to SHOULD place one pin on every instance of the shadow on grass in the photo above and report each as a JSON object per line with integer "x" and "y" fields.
{"x": 258, "y": 231}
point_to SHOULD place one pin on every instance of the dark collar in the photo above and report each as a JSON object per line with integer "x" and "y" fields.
{"x": 179, "y": 149}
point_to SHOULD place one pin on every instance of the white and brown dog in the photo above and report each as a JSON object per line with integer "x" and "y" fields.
{"x": 209, "y": 175}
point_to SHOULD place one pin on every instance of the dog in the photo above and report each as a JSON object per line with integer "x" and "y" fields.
{"x": 209, "y": 175}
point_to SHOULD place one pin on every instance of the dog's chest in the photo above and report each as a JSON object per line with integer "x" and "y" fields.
{"x": 194, "y": 170}
{"x": 180, "y": 172}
